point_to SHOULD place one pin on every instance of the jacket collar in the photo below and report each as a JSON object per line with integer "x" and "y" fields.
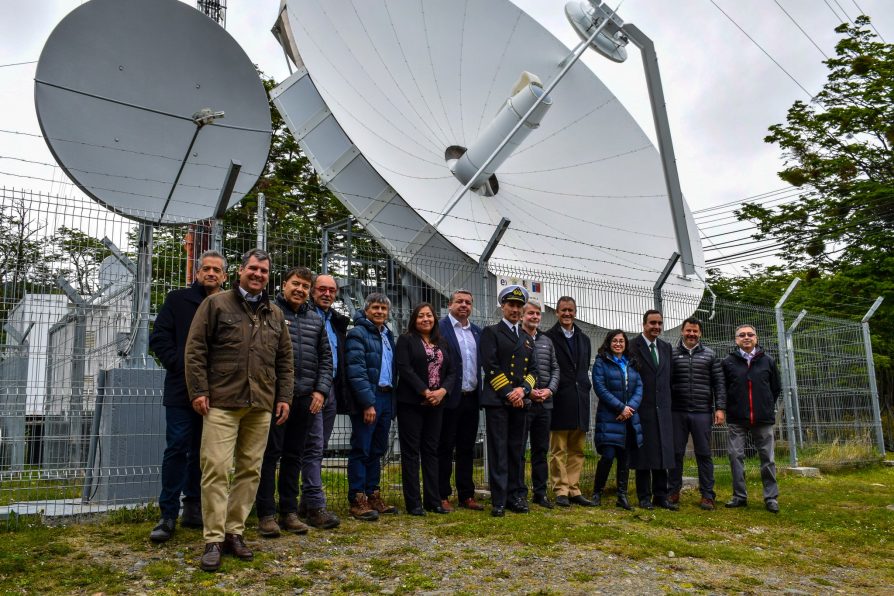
{"x": 264, "y": 301}
{"x": 286, "y": 305}
{"x": 698, "y": 347}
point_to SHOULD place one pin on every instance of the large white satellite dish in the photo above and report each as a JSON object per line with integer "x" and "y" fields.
{"x": 388, "y": 95}
{"x": 146, "y": 105}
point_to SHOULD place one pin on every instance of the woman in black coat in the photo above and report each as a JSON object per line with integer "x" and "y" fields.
{"x": 620, "y": 391}
{"x": 424, "y": 370}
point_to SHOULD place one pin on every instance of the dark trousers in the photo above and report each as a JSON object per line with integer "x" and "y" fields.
{"x": 180, "y": 472}
{"x": 651, "y": 485}
{"x": 329, "y": 412}
{"x": 419, "y": 430}
{"x": 288, "y": 444}
{"x": 697, "y": 424}
{"x": 459, "y": 432}
{"x": 537, "y": 429}
{"x": 369, "y": 442}
{"x": 505, "y": 453}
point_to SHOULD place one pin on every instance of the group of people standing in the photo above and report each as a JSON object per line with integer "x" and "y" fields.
{"x": 254, "y": 384}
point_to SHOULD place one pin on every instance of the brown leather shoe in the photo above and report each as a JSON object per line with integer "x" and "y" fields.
{"x": 446, "y": 506}
{"x": 376, "y": 502}
{"x": 290, "y": 523}
{"x": 674, "y": 498}
{"x": 233, "y": 544}
{"x": 707, "y": 504}
{"x": 361, "y": 510}
{"x": 267, "y": 527}
{"x": 211, "y": 557}
{"x": 472, "y": 504}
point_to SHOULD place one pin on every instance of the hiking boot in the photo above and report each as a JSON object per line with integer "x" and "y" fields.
{"x": 211, "y": 557}
{"x": 163, "y": 531}
{"x": 290, "y": 523}
{"x": 267, "y": 527}
{"x": 361, "y": 510}
{"x": 191, "y": 516}
{"x": 376, "y": 502}
{"x": 322, "y": 519}
{"x": 234, "y": 545}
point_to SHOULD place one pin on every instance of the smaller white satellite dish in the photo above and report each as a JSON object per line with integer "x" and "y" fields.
{"x": 146, "y": 105}
{"x": 586, "y": 17}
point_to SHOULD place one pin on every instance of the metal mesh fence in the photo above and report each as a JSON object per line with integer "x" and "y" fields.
{"x": 81, "y": 421}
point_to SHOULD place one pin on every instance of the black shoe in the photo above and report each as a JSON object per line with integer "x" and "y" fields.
{"x": 437, "y": 509}
{"x": 498, "y": 512}
{"x": 646, "y": 504}
{"x": 543, "y": 502}
{"x": 772, "y": 505}
{"x": 581, "y": 500}
{"x": 665, "y": 504}
{"x": 416, "y": 511}
{"x": 191, "y": 516}
{"x": 623, "y": 503}
{"x": 736, "y": 502}
{"x": 518, "y": 506}
{"x": 163, "y": 531}
{"x": 597, "y": 499}
{"x": 563, "y": 501}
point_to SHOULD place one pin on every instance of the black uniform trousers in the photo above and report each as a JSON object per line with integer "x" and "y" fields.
{"x": 459, "y": 432}
{"x": 419, "y": 432}
{"x": 506, "y": 453}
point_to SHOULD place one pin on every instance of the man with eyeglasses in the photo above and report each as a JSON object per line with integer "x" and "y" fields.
{"x": 752, "y": 390}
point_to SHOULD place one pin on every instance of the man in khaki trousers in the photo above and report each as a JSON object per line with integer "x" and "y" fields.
{"x": 239, "y": 370}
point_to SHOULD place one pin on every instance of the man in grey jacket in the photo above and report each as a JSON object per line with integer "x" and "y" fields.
{"x": 698, "y": 400}
{"x": 539, "y": 415}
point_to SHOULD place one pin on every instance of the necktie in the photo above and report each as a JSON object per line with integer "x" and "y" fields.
{"x": 515, "y": 330}
{"x": 654, "y": 353}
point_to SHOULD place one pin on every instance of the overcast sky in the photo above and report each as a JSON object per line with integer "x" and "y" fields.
{"x": 722, "y": 91}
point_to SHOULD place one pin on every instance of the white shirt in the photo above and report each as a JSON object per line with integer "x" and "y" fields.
{"x": 747, "y": 355}
{"x": 249, "y": 297}
{"x": 513, "y": 327}
{"x": 469, "y": 351}
{"x": 649, "y": 343}
{"x": 568, "y": 334}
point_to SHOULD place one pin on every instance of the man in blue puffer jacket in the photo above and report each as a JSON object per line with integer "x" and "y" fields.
{"x": 752, "y": 389}
{"x": 372, "y": 373}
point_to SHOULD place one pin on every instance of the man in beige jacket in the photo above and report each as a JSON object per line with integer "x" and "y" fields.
{"x": 239, "y": 370}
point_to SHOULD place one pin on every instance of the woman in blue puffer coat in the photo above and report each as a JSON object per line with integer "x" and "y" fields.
{"x": 620, "y": 391}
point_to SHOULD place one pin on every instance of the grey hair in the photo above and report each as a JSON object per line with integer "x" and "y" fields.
{"x": 210, "y": 254}
{"x": 257, "y": 253}
{"x": 376, "y": 298}
{"x": 742, "y": 326}
{"x": 460, "y": 291}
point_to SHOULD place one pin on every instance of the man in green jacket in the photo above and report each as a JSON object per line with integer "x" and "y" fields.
{"x": 239, "y": 370}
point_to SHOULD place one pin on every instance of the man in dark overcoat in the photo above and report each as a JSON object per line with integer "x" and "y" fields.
{"x": 570, "y": 420}
{"x": 653, "y": 357}
{"x": 180, "y": 472}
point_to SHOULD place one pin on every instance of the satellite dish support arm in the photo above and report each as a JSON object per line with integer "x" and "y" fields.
{"x": 665, "y": 144}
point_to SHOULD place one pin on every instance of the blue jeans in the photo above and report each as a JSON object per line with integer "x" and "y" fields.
{"x": 369, "y": 442}
{"x": 180, "y": 471}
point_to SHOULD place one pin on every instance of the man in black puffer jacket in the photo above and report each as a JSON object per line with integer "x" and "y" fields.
{"x": 298, "y": 444}
{"x": 752, "y": 389}
{"x": 698, "y": 399}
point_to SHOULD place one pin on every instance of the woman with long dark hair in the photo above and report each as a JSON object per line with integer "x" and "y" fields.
{"x": 620, "y": 391}
{"x": 425, "y": 371}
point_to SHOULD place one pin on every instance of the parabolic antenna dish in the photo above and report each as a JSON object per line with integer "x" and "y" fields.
{"x": 386, "y": 90}
{"x": 146, "y": 104}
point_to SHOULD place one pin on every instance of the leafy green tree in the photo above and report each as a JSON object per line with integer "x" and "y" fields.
{"x": 80, "y": 256}
{"x": 837, "y": 236}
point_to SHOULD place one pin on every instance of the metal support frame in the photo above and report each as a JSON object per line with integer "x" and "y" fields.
{"x": 870, "y": 371}
{"x": 347, "y": 222}
{"x": 488, "y": 252}
{"x": 786, "y": 385}
{"x": 665, "y": 144}
{"x": 662, "y": 279}
{"x": 138, "y": 350}
{"x": 262, "y": 221}
{"x": 793, "y": 377}
{"x": 78, "y": 358}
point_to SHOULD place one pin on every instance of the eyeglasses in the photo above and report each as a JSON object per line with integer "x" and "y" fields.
{"x": 747, "y": 335}
{"x": 619, "y": 341}
{"x": 324, "y": 290}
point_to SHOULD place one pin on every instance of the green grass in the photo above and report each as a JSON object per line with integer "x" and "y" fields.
{"x": 834, "y": 532}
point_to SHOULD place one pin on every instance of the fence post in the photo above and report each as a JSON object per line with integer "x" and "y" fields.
{"x": 793, "y": 377}
{"x": 662, "y": 279}
{"x": 786, "y": 388}
{"x": 870, "y": 370}
{"x": 262, "y": 221}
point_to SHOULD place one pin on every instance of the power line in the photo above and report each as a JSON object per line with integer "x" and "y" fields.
{"x": 766, "y": 53}
{"x": 871, "y": 24}
{"x": 801, "y": 29}
{"x": 18, "y": 63}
